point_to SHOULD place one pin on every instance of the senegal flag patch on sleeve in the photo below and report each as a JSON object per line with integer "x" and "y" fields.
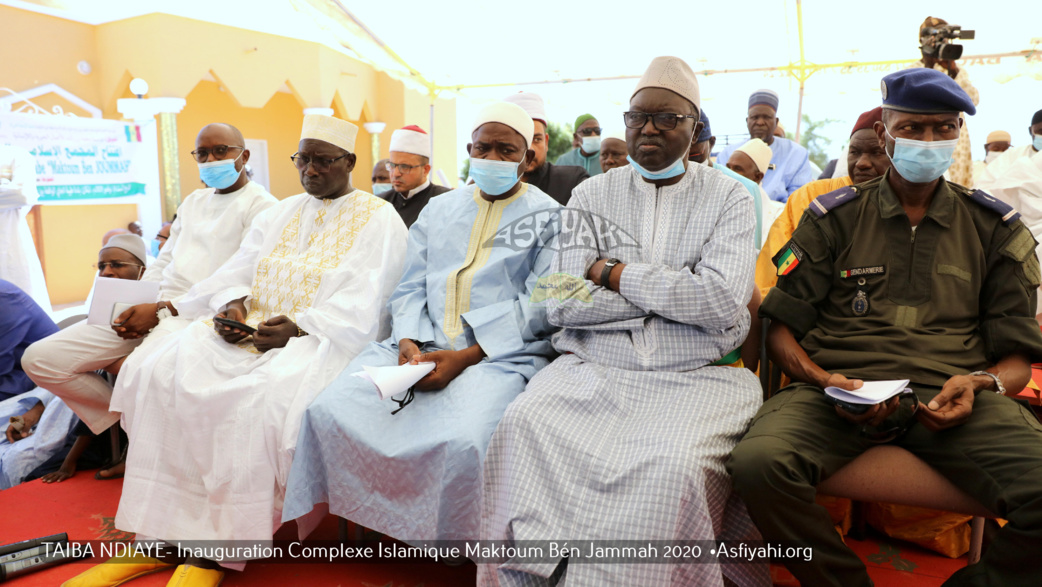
{"x": 789, "y": 259}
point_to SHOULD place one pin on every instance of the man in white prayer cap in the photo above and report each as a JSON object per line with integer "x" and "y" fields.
{"x": 556, "y": 180}
{"x": 409, "y": 166}
{"x": 411, "y": 467}
{"x": 212, "y": 413}
{"x": 624, "y": 437}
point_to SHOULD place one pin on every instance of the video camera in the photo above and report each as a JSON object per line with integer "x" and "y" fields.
{"x": 936, "y": 41}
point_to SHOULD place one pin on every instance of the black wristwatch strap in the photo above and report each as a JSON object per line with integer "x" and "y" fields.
{"x": 606, "y": 272}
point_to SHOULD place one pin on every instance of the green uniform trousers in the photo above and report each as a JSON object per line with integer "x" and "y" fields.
{"x": 796, "y": 440}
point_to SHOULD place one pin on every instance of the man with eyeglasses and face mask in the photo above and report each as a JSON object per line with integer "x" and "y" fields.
{"x": 906, "y": 276}
{"x": 409, "y": 166}
{"x": 216, "y": 408}
{"x": 210, "y": 224}
{"x": 587, "y": 154}
{"x": 624, "y": 436}
{"x": 475, "y": 260}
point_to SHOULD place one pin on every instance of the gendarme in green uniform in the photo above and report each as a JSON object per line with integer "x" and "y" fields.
{"x": 869, "y": 298}
{"x": 953, "y": 296}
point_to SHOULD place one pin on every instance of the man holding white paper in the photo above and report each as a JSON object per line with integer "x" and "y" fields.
{"x": 210, "y": 224}
{"x": 212, "y": 414}
{"x": 904, "y": 276}
{"x": 414, "y": 470}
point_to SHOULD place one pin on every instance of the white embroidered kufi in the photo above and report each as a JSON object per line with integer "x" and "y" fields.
{"x": 760, "y": 152}
{"x": 130, "y": 243}
{"x": 531, "y": 103}
{"x": 509, "y": 114}
{"x": 673, "y": 74}
{"x": 331, "y": 130}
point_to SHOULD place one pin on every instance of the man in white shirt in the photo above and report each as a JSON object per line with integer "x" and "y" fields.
{"x": 213, "y": 416}
{"x": 211, "y": 223}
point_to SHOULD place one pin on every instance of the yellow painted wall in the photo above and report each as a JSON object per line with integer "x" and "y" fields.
{"x": 69, "y": 256}
{"x": 174, "y": 55}
{"x": 36, "y": 49}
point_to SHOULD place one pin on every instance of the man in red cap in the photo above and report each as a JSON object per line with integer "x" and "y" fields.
{"x": 865, "y": 160}
{"x": 409, "y": 165}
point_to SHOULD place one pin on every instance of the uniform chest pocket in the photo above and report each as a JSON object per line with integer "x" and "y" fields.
{"x": 955, "y": 291}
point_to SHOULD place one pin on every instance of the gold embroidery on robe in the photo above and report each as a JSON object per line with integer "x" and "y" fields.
{"x": 457, "y": 295}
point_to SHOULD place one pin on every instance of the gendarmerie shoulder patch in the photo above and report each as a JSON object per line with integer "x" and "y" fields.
{"x": 821, "y": 205}
{"x": 997, "y": 206}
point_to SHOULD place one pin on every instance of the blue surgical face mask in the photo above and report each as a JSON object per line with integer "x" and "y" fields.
{"x": 1036, "y": 141}
{"x": 153, "y": 248}
{"x": 677, "y": 168}
{"x": 921, "y": 161}
{"x": 381, "y": 188}
{"x": 220, "y": 174}
{"x": 591, "y": 144}
{"x": 494, "y": 177}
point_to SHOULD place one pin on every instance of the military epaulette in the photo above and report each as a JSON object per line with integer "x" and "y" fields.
{"x": 1008, "y": 214}
{"x": 821, "y": 205}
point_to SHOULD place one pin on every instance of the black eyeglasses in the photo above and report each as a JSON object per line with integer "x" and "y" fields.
{"x": 589, "y": 131}
{"x": 320, "y": 164}
{"x": 219, "y": 151}
{"x": 404, "y": 168}
{"x": 116, "y": 265}
{"x": 660, "y": 120}
{"x": 895, "y": 432}
{"x": 409, "y": 396}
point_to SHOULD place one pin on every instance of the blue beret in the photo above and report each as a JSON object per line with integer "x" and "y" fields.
{"x": 926, "y": 91}
{"x": 706, "y": 133}
{"x": 766, "y": 97}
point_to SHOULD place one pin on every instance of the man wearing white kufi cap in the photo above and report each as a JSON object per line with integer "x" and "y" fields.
{"x": 556, "y": 180}
{"x": 212, "y": 413}
{"x": 624, "y": 437}
{"x": 411, "y": 468}
{"x": 409, "y": 167}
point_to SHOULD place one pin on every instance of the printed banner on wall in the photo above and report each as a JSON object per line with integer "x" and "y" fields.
{"x": 85, "y": 160}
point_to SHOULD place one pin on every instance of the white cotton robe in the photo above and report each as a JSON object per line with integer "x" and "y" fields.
{"x": 624, "y": 437}
{"x": 19, "y": 262}
{"x": 213, "y": 425}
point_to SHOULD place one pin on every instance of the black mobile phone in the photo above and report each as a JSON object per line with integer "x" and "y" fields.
{"x": 234, "y": 324}
{"x": 853, "y": 408}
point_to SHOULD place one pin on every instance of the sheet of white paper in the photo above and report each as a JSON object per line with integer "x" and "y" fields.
{"x": 394, "y": 380}
{"x": 109, "y": 291}
{"x": 872, "y": 392}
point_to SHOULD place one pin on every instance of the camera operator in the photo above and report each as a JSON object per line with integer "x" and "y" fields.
{"x": 961, "y": 170}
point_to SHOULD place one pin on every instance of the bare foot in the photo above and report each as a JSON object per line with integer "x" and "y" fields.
{"x": 113, "y": 473}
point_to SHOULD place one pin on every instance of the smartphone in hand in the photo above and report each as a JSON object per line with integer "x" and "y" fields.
{"x": 235, "y": 324}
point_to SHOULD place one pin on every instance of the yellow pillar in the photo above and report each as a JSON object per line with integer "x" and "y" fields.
{"x": 169, "y": 168}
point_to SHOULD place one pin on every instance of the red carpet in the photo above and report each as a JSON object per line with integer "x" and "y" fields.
{"x": 84, "y": 508}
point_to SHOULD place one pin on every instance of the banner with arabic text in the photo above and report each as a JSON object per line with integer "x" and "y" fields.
{"x": 85, "y": 160}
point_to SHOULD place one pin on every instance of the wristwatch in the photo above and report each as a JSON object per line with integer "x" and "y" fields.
{"x": 606, "y": 272}
{"x": 999, "y": 388}
{"x": 163, "y": 310}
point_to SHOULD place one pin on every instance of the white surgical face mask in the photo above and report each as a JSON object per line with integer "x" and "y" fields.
{"x": 992, "y": 155}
